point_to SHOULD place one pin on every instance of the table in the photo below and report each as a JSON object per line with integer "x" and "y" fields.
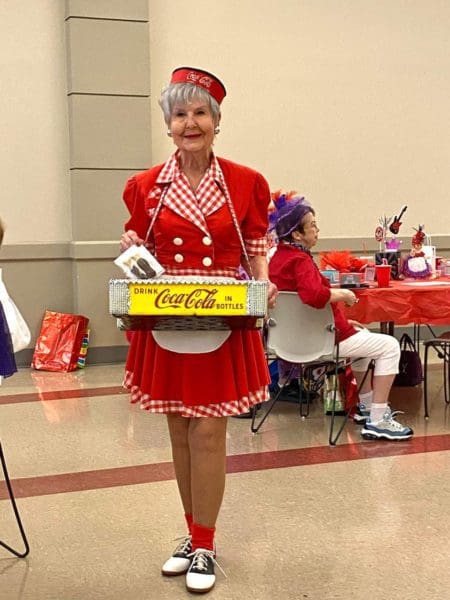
{"x": 403, "y": 302}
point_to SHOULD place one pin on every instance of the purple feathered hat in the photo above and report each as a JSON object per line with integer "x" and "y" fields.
{"x": 287, "y": 212}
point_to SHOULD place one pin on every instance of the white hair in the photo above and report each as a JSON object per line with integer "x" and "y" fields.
{"x": 185, "y": 93}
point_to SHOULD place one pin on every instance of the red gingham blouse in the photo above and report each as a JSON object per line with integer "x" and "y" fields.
{"x": 211, "y": 194}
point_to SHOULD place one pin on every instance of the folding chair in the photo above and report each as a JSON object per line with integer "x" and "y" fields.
{"x": 304, "y": 335}
{"x": 16, "y": 512}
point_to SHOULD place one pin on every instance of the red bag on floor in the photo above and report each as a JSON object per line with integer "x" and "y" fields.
{"x": 349, "y": 388}
{"x": 59, "y": 342}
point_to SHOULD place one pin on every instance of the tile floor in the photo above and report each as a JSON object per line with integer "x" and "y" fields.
{"x": 300, "y": 520}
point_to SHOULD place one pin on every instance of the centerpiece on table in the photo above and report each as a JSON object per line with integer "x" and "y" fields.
{"x": 389, "y": 245}
{"x": 416, "y": 265}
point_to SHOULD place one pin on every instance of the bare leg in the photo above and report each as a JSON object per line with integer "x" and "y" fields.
{"x": 179, "y": 437}
{"x": 207, "y": 445}
{"x": 367, "y": 385}
{"x": 381, "y": 387}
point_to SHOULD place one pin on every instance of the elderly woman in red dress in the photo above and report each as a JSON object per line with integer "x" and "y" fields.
{"x": 292, "y": 268}
{"x": 198, "y": 214}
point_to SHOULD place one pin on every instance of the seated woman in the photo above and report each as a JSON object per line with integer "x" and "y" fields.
{"x": 292, "y": 268}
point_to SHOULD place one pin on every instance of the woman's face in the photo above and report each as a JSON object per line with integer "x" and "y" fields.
{"x": 192, "y": 127}
{"x": 310, "y": 233}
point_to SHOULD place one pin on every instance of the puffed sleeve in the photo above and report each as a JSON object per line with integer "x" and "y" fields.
{"x": 135, "y": 202}
{"x": 310, "y": 286}
{"x": 255, "y": 224}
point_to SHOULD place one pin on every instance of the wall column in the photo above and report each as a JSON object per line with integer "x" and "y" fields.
{"x": 108, "y": 90}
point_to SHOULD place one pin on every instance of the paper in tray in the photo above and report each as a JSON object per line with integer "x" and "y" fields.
{"x": 138, "y": 263}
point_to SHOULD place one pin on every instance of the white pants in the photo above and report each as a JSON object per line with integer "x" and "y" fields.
{"x": 383, "y": 349}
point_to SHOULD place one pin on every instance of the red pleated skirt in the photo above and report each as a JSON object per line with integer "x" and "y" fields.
{"x": 225, "y": 382}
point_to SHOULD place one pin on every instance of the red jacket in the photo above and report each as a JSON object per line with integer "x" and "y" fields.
{"x": 293, "y": 270}
{"x": 250, "y": 195}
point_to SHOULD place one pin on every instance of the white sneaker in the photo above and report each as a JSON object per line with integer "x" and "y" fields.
{"x": 386, "y": 428}
{"x": 180, "y": 560}
{"x": 200, "y": 577}
{"x": 362, "y": 414}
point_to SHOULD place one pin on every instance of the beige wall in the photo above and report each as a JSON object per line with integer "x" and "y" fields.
{"x": 77, "y": 119}
{"x": 344, "y": 100}
{"x": 34, "y": 148}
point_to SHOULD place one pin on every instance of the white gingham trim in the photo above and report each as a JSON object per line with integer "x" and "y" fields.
{"x": 166, "y": 174}
{"x": 209, "y": 194}
{"x": 208, "y": 198}
{"x": 223, "y": 409}
{"x": 256, "y": 247}
{"x": 180, "y": 197}
{"x": 203, "y": 272}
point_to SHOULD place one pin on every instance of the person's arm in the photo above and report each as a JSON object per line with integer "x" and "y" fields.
{"x": 312, "y": 289}
{"x": 129, "y": 238}
{"x": 260, "y": 271}
{"x": 254, "y": 232}
{"x": 343, "y": 295}
{"x": 132, "y": 199}
{"x": 356, "y": 324}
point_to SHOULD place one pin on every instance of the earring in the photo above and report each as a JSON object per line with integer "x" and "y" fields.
{"x": 169, "y": 133}
{"x": 217, "y": 130}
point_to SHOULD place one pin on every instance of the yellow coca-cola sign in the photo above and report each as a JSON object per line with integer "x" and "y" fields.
{"x": 187, "y": 299}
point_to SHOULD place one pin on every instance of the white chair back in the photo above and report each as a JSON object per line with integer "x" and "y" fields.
{"x": 299, "y": 333}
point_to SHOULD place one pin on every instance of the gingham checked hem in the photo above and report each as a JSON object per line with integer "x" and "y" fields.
{"x": 202, "y": 272}
{"x": 224, "y": 409}
{"x": 256, "y": 247}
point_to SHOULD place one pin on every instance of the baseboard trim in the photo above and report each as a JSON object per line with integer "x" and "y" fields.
{"x": 95, "y": 356}
{"x": 108, "y": 249}
{"x": 118, "y": 354}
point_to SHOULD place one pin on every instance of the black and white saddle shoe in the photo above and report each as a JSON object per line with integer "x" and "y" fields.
{"x": 200, "y": 577}
{"x": 180, "y": 560}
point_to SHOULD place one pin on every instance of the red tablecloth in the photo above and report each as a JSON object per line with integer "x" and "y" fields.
{"x": 403, "y": 303}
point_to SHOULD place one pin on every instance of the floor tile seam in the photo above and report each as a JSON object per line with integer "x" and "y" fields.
{"x": 278, "y": 459}
{"x": 93, "y": 392}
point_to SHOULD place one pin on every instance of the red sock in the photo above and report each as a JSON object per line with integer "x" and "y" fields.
{"x": 188, "y": 518}
{"x": 202, "y": 537}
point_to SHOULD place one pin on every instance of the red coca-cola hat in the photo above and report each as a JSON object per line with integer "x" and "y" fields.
{"x": 203, "y": 79}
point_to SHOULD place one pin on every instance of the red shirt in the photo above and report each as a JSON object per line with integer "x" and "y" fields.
{"x": 180, "y": 244}
{"x": 294, "y": 270}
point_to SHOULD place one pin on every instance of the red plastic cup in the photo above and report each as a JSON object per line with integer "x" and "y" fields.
{"x": 383, "y": 275}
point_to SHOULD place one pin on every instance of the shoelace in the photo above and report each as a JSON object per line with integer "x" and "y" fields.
{"x": 200, "y": 561}
{"x": 389, "y": 416}
{"x": 184, "y": 546}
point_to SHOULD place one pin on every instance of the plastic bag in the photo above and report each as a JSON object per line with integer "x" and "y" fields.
{"x": 7, "y": 361}
{"x": 346, "y": 393}
{"x": 349, "y": 387}
{"x": 20, "y": 334}
{"x": 59, "y": 342}
{"x": 328, "y": 396}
